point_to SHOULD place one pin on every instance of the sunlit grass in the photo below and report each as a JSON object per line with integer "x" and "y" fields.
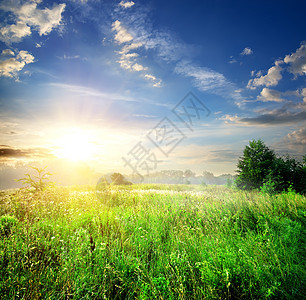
{"x": 152, "y": 242}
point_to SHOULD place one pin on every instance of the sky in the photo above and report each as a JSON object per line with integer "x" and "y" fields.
{"x": 142, "y": 86}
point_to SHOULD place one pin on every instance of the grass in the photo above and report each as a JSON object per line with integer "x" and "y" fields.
{"x": 151, "y": 242}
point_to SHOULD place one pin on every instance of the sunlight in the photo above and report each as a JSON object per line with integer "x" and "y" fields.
{"x": 77, "y": 145}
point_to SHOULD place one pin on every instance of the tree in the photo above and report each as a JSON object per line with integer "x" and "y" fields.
{"x": 188, "y": 173}
{"x": 286, "y": 172}
{"x": 118, "y": 179}
{"x": 254, "y": 165}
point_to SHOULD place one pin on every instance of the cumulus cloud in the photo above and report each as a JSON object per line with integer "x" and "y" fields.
{"x": 14, "y": 33}
{"x": 28, "y": 17}
{"x": 296, "y": 140}
{"x": 271, "y": 79}
{"x": 12, "y": 66}
{"x": 7, "y": 52}
{"x": 127, "y": 4}
{"x": 299, "y": 136}
{"x": 297, "y": 66}
{"x": 267, "y": 95}
{"x": 247, "y": 51}
{"x": 122, "y": 35}
{"x": 297, "y": 61}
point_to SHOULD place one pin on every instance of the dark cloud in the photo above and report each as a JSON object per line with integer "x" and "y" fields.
{"x": 276, "y": 117}
{"x": 9, "y": 152}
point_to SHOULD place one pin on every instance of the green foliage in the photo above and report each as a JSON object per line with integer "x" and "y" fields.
{"x": 253, "y": 166}
{"x": 153, "y": 242}
{"x": 39, "y": 182}
{"x": 261, "y": 168}
{"x": 118, "y": 179}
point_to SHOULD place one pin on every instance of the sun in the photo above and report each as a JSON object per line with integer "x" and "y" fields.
{"x": 77, "y": 145}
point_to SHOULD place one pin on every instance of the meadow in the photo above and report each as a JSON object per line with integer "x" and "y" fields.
{"x": 151, "y": 242}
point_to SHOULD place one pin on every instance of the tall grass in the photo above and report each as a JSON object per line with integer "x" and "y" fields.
{"x": 151, "y": 242}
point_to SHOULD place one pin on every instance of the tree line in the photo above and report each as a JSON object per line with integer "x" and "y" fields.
{"x": 261, "y": 168}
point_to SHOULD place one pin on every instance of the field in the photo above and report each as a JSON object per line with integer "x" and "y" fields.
{"x": 151, "y": 242}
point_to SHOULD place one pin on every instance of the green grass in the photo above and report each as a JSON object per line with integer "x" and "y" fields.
{"x": 152, "y": 242}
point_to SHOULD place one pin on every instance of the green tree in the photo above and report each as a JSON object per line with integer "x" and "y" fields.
{"x": 254, "y": 165}
{"x": 118, "y": 179}
{"x": 286, "y": 172}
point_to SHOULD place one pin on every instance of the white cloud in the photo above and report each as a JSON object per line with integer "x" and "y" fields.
{"x": 7, "y": 52}
{"x": 69, "y": 57}
{"x": 28, "y": 17}
{"x": 297, "y": 61}
{"x": 156, "y": 82}
{"x": 229, "y": 119}
{"x": 14, "y": 33}
{"x": 138, "y": 67}
{"x": 271, "y": 79}
{"x": 127, "y": 4}
{"x": 12, "y": 66}
{"x": 299, "y": 136}
{"x": 232, "y": 60}
{"x": 296, "y": 140}
{"x": 130, "y": 55}
{"x": 208, "y": 80}
{"x": 270, "y": 95}
{"x": 125, "y": 63}
{"x": 127, "y": 48}
{"x": 247, "y": 51}
{"x": 122, "y": 35}
{"x": 25, "y": 56}
{"x": 297, "y": 66}
{"x": 128, "y": 59}
{"x": 167, "y": 47}
{"x": 151, "y": 77}
{"x": 304, "y": 95}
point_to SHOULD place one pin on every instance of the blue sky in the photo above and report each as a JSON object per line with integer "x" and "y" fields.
{"x": 97, "y": 81}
